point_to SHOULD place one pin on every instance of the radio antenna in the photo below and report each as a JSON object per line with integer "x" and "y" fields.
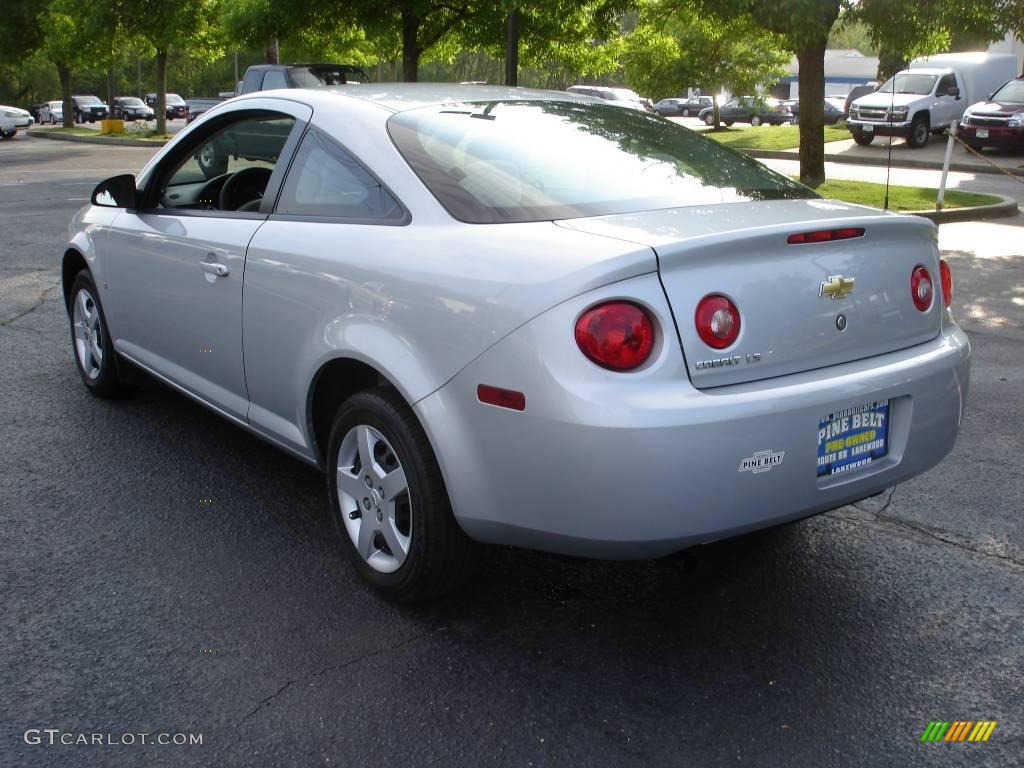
{"x": 888, "y": 163}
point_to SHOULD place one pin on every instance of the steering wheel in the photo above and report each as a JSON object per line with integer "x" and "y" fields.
{"x": 243, "y": 188}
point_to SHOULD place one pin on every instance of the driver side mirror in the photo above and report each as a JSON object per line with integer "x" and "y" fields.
{"x": 954, "y": 92}
{"x": 116, "y": 192}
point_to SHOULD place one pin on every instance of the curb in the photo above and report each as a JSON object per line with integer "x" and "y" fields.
{"x": 928, "y": 165}
{"x": 152, "y": 143}
{"x": 1004, "y": 209}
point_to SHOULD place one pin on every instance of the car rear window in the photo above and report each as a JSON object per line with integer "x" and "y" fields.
{"x": 543, "y": 160}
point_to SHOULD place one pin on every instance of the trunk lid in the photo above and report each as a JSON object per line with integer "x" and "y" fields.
{"x": 787, "y": 325}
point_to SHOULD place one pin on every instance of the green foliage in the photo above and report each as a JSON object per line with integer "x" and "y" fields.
{"x": 902, "y": 31}
{"x": 671, "y": 50}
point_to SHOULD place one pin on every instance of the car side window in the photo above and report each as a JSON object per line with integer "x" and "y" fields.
{"x": 230, "y": 169}
{"x": 326, "y": 181}
{"x": 274, "y": 79}
{"x": 945, "y": 83}
{"x": 252, "y": 80}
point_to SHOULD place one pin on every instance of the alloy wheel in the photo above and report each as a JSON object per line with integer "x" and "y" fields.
{"x": 373, "y": 493}
{"x": 88, "y": 334}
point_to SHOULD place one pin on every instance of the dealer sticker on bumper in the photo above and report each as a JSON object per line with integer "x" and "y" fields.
{"x": 853, "y": 438}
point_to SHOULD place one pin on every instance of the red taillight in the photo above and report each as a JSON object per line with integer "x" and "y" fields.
{"x": 617, "y": 335}
{"x": 947, "y": 282}
{"x": 718, "y": 321}
{"x": 503, "y": 398}
{"x": 921, "y": 288}
{"x": 825, "y": 235}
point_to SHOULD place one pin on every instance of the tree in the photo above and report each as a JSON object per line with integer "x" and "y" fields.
{"x": 669, "y": 52}
{"x": 902, "y": 31}
{"x": 191, "y": 24}
{"x": 538, "y": 32}
{"x": 70, "y": 30}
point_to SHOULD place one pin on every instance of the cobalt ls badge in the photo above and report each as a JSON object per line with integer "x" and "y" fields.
{"x": 762, "y": 461}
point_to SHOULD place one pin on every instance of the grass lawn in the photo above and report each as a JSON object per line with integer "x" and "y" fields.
{"x": 145, "y": 135}
{"x": 769, "y": 136}
{"x": 900, "y": 198}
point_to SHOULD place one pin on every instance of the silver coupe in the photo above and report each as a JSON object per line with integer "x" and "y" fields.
{"x": 520, "y": 317}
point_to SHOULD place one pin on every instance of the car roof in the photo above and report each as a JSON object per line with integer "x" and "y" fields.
{"x": 398, "y": 97}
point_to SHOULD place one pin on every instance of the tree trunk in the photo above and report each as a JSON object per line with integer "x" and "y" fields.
{"x": 272, "y": 53}
{"x": 64, "y": 73}
{"x": 512, "y": 48}
{"x": 410, "y": 47}
{"x": 161, "y": 92}
{"x": 715, "y": 113}
{"x": 811, "y": 60}
{"x": 111, "y": 93}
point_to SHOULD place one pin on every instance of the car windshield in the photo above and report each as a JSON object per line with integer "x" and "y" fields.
{"x": 131, "y": 101}
{"x": 543, "y": 160}
{"x": 919, "y": 85}
{"x": 88, "y": 100}
{"x": 173, "y": 98}
{"x": 1012, "y": 92}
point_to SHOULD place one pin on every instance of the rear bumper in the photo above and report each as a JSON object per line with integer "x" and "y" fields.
{"x": 642, "y": 465}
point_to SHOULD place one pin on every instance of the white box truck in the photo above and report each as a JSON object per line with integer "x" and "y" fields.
{"x": 929, "y": 96}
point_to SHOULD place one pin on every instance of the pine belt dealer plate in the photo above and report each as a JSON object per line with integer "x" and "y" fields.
{"x": 853, "y": 438}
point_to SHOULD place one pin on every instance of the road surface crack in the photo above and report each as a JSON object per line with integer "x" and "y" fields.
{"x": 334, "y": 668}
{"x": 879, "y": 517}
{"x": 43, "y": 298}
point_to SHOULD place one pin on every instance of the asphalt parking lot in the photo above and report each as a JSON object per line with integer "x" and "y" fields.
{"x": 133, "y": 605}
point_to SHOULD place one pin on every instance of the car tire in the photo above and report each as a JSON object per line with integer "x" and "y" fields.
{"x": 863, "y": 139}
{"x": 709, "y": 119}
{"x": 7, "y": 134}
{"x": 686, "y": 113}
{"x": 211, "y": 163}
{"x": 795, "y": 120}
{"x": 919, "y": 133}
{"x": 755, "y": 121}
{"x": 91, "y": 342}
{"x": 414, "y": 516}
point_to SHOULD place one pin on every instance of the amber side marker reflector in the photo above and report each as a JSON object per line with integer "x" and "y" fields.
{"x": 825, "y": 235}
{"x": 503, "y": 398}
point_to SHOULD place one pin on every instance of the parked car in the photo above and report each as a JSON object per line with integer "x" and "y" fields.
{"x": 176, "y": 106}
{"x": 833, "y": 114}
{"x": 13, "y": 119}
{"x": 266, "y": 77}
{"x": 131, "y": 108}
{"x": 51, "y": 112}
{"x": 683, "y": 107}
{"x": 749, "y": 109}
{"x": 855, "y": 93}
{"x": 929, "y": 97}
{"x": 89, "y": 108}
{"x": 619, "y": 97}
{"x": 998, "y": 121}
{"x": 649, "y": 300}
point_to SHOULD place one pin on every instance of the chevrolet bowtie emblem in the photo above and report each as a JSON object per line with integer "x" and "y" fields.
{"x": 837, "y": 287}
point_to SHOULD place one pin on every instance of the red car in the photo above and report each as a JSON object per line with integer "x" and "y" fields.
{"x": 998, "y": 122}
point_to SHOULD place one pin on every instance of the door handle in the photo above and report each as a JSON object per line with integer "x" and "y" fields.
{"x": 213, "y": 268}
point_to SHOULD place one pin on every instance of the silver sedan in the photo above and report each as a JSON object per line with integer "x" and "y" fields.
{"x": 520, "y": 317}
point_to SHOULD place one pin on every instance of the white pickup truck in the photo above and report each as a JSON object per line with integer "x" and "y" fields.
{"x": 929, "y": 97}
